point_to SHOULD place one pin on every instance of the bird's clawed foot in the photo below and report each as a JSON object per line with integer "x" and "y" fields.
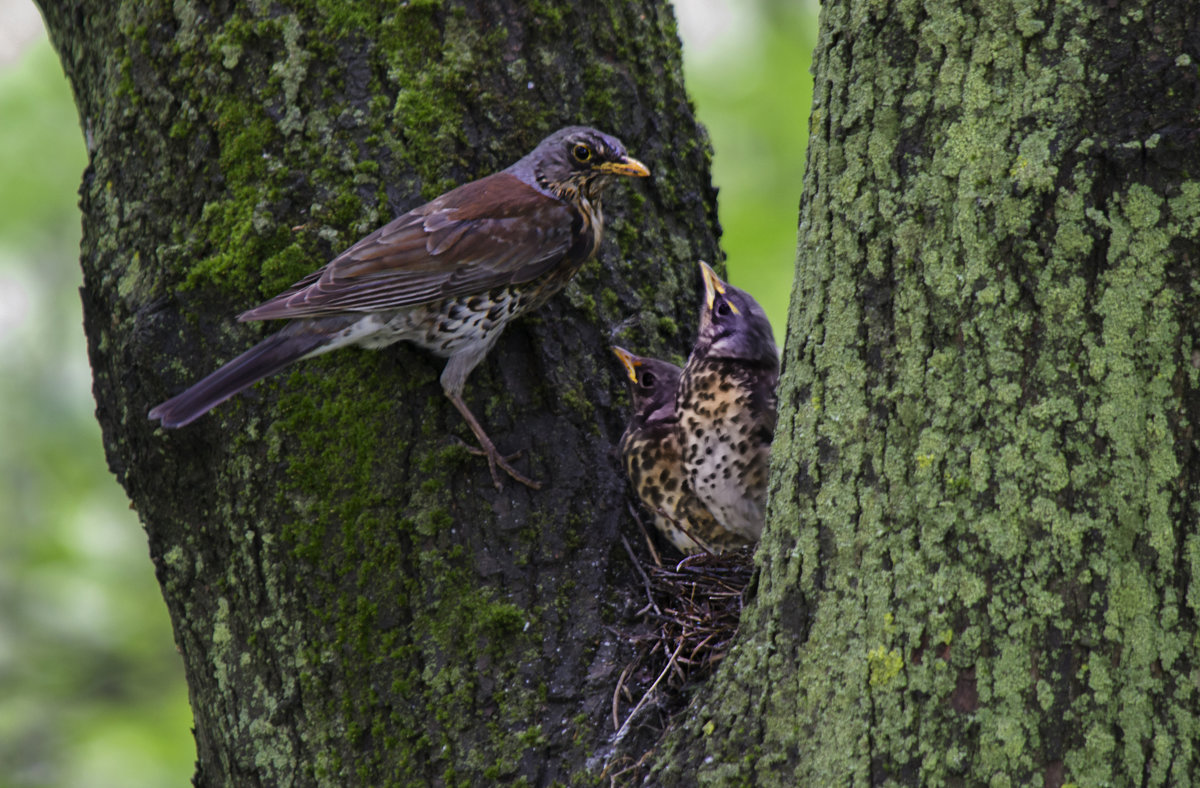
{"x": 496, "y": 459}
{"x": 488, "y": 449}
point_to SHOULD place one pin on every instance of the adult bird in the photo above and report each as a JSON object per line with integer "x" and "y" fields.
{"x": 447, "y": 276}
{"x": 727, "y": 406}
{"x": 653, "y": 460}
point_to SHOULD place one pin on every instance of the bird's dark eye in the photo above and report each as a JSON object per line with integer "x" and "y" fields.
{"x": 648, "y": 379}
{"x": 581, "y": 152}
{"x": 722, "y": 309}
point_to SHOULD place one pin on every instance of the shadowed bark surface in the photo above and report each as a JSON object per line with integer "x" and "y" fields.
{"x": 354, "y": 602}
{"x": 983, "y": 540}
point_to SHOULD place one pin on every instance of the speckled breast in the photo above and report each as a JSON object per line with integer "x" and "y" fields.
{"x": 725, "y": 450}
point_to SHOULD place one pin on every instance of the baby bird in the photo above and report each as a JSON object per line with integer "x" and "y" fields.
{"x": 651, "y": 454}
{"x": 726, "y": 406}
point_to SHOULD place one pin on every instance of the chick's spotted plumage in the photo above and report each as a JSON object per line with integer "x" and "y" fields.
{"x": 447, "y": 276}
{"x": 653, "y": 459}
{"x": 727, "y": 407}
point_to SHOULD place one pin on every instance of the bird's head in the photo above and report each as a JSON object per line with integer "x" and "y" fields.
{"x": 732, "y": 324}
{"x": 579, "y": 160}
{"x": 652, "y": 384}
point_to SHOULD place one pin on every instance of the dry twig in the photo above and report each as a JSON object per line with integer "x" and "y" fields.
{"x": 682, "y": 635}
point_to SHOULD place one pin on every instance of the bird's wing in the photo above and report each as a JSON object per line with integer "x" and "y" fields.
{"x": 485, "y": 234}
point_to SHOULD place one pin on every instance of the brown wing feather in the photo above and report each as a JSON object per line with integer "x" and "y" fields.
{"x": 485, "y": 234}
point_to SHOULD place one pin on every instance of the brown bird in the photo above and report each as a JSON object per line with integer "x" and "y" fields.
{"x": 726, "y": 402}
{"x": 447, "y": 276}
{"x": 654, "y": 460}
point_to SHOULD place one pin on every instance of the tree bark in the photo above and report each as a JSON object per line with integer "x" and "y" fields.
{"x": 983, "y": 539}
{"x": 353, "y": 600}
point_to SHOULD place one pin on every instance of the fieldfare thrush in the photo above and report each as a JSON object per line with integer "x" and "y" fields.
{"x": 447, "y": 276}
{"x": 653, "y": 460}
{"x": 726, "y": 402}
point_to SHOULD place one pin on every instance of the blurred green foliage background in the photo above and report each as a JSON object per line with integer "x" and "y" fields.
{"x": 91, "y": 688}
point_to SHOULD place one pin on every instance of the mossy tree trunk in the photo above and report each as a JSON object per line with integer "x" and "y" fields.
{"x": 983, "y": 546}
{"x": 355, "y": 603}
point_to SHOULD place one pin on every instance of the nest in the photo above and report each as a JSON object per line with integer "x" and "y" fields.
{"x": 678, "y": 638}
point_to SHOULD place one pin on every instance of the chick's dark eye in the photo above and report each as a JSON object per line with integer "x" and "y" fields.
{"x": 722, "y": 309}
{"x": 648, "y": 379}
{"x": 581, "y": 152}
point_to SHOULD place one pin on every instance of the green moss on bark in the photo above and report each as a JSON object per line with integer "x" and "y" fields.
{"x": 353, "y": 600}
{"x": 982, "y": 493}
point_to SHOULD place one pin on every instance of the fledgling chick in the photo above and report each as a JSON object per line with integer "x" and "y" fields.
{"x": 726, "y": 406}
{"x": 653, "y": 460}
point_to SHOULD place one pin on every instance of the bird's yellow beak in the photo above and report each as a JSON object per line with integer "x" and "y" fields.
{"x": 630, "y": 361}
{"x": 626, "y": 166}
{"x": 713, "y": 287}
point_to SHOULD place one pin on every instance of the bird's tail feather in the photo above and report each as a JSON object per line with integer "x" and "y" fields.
{"x": 266, "y": 358}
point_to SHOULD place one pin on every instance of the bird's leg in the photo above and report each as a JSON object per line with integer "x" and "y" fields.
{"x": 487, "y": 448}
{"x": 454, "y": 378}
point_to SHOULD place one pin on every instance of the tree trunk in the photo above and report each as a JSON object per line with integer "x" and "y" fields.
{"x": 983, "y": 540}
{"x": 355, "y": 603}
